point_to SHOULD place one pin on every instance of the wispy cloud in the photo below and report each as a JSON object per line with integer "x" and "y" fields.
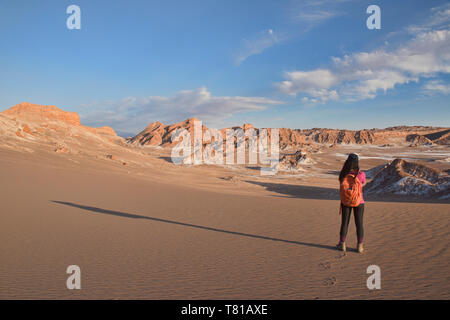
{"x": 433, "y": 87}
{"x": 316, "y": 17}
{"x": 132, "y": 114}
{"x": 315, "y": 12}
{"x": 310, "y": 13}
{"x": 264, "y": 40}
{"x": 438, "y": 19}
{"x": 363, "y": 75}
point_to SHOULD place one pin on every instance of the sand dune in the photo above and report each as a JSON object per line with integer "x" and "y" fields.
{"x": 135, "y": 238}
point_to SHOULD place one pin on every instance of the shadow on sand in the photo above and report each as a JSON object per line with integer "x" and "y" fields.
{"x": 136, "y": 216}
{"x": 321, "y": 193}
{"x": 167, "y": 159}
{"x": 298, "y": 191}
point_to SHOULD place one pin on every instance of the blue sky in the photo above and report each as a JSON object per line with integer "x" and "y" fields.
{"x": 298, "y": 64}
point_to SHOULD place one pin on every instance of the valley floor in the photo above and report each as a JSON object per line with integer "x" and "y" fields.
{"x": 187, "y": 234}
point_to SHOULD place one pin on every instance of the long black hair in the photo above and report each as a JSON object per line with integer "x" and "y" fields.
{"x": 351, "y": 164}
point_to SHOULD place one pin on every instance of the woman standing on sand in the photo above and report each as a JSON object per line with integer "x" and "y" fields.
{"x": 351, "y": 181}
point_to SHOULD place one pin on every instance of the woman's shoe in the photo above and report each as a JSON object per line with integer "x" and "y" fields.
{"x": 360, "y": 248}
{"x": 341, "y": 246}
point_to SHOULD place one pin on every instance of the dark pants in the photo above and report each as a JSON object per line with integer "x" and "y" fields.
{"x": 358, "y": 212}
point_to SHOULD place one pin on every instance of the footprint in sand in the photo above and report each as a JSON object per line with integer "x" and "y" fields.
{"x": 330, "y": 281}
{"x": 325, "y": 265}
{"x": 340, "y": 256}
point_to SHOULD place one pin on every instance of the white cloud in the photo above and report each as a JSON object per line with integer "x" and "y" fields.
{"x": 439, "y": 19}
{"x": 433, "y": 87}
{"x": 258, "y": 44}
{"x": 315, "y": 12}
{"x": 133, "y": 114}
{"x": 316, "y": 17}
{"x": 307, "y": 13}
{"x": 309, "y": 80}
{"x": 363, "y": 75}
{"x": 315, "y": 83}
{"x": 369, "y": 87}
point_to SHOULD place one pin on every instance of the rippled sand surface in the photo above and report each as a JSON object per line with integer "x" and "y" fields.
{"x": 137, "y": 238}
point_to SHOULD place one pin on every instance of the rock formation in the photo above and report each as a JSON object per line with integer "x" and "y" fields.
{"x": 408, "y": 178}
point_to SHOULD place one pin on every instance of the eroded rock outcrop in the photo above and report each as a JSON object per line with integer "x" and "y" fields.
{"x": 409, "y": 178}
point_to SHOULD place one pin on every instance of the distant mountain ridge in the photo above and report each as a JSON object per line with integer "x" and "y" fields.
{"x": 159, "y": 134}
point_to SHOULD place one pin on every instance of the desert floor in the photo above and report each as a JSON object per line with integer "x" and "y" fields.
{"x": 165, "y": 232}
